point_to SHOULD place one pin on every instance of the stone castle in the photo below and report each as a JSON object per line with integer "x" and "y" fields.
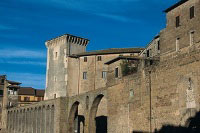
{"x": 119, "y": 90}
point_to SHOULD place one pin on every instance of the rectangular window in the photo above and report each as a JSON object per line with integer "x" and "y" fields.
{"x": 104, "y": 75}
{"x": 177, "y": 44}
{"x": 148, "y": 53}
{"x": 56, "y": 54}
{"x": 84, "y": 75}
{"x": 191, "y": 38}
{"x": 98, "y": 58}
{"x": 158, "y": 45}
{"x": 116, "y": 72}
{"x": 177, "y": 21}
{"x": 85, "y": 59}
{"x": 191, "y": 12}
{"x": 2, "y": 81}
{"x": 26, "y": 99}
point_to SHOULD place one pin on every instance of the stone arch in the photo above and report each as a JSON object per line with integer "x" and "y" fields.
{"x": 95, "y": 121}
{"x": 76, "y": 118}
{"x": 72, "y": 115}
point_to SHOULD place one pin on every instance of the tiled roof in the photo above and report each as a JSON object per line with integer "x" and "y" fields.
{"x": 26, "y": 91}
{"x": 110, "y": 51}
{"x": 175, "y": 5}
{"x": 129, "y": 58}
{"x": 39, "y": 93}
{"x": 13, "y": 82}
{"x": 124, "y": 57}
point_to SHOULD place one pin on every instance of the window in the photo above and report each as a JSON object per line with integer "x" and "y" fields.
{"x": 177, "y": 21}
{"x": 1, "y": 92}
{"x": 54, "y": 96}
{"x": 84, "y": 75}
{"x": 87, "y": 102}
{"x": 131, "y": 93}
{"x": 2, "y": 81}
{"x": 55, "y": 79}
{"x": 85, "y": 59}
{"x": 177, "y": 44}
{"x": 158, "y": 45}
{"x": 56, "y": 54}
{"x": 189, "y": 84}
{"x": 116, "y": 72}
{"x": 99, "y": 58}
{"x": 191, "y": 12}
{"x": 191, "y": 38}
{"x": 104, "y": 75}
{"x": 26, "y": 99}
{"x": 148, "y": 53}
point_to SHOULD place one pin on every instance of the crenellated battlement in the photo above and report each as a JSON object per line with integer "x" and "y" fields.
{"x": 66, "y": 38}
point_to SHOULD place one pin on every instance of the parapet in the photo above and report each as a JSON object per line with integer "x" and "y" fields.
{"x": 67, "y": 38}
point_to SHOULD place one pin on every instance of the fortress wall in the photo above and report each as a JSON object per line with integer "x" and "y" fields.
{"x": 172, "y": 86}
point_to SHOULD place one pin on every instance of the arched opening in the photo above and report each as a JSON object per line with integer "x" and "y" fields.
{"x": 76, "y": 119}
{"x": 98, "y": 115}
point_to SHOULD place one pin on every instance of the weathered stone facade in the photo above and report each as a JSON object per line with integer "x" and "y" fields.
{"x": 164, "y": 89}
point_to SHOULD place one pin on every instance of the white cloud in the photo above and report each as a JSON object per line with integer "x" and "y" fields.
{"x": 103, "y": 8}
{"x": 118, "y": 17}
{"x": 27, "y": 79}
{"x": 21, "y": 53}
{"x": 37, "y": 63}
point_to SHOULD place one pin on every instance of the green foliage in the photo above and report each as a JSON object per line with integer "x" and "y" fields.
{"x": 128, "y": 68}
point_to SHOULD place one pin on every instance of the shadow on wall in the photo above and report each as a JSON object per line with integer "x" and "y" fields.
{"x": 192, "y": 126}
{"x": 101, "y": 124}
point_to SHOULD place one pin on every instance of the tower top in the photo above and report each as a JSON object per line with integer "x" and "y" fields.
{"x": 68, "y": 38}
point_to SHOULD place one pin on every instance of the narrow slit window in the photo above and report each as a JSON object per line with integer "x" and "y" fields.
{"x": 191, "y": 12}
{"x": 158, "y": 45}
{"x": 116, "y": 72}
{"x": 177, "y": 21}
{"x": 84, "y": 75}
{"x": 148, "y": 53}
{"x": 191, "y": 38}
{"x": 85, "y": 59}
{"x": 177, "y": 44}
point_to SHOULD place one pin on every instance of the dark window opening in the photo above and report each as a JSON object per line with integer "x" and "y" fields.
{"x": 99, "y": 58}
{"x": 177, "y": 21}
{"x": 26, "y": 99}
{"x": 85, "y": 59}
{"x": 2, "y": 81}
{"x": 148, "y": 53}
{"x": 116, "y": 72}
{"x": 191, "y": 12}
{"x": 151, "y": 62}
{"x": 1, "y": 92}
{"x": 159, "y": 45}
{"x": 84, "y": 75}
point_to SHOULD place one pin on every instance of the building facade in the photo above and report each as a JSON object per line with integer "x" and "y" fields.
{"x": 29, "y": 95}
{"x": 121, "y": 90}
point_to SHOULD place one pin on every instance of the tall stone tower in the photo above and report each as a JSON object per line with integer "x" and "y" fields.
{"x": 58, "y": 49}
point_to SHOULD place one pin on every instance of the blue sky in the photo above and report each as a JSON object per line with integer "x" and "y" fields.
{"x": 25, "y": 25}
